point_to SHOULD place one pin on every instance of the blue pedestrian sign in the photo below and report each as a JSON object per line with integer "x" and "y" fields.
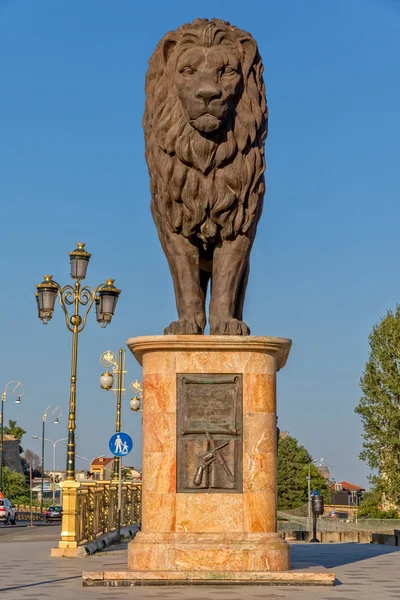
{"x": 120, "y": 444}
{"x": 314, "y": 493}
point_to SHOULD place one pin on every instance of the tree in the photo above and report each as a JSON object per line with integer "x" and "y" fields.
{"x": 379, "y": 408}
{"x": 14, "y": 429}
{"x": 31, "y": 459}
{"x": 371, "y": 507}
{"x": 293, "y": 465}
{"x": 15, "y": 487}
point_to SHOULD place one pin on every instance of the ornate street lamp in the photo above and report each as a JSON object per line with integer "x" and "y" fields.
{"x": 18, "y": 386}
{"x": 136, "y": 401}
{"x": 109, "y": 360}
{"x": 105, "y": 296}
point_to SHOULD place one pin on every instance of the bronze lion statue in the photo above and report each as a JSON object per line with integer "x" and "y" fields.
{"x": 205, "y": 125}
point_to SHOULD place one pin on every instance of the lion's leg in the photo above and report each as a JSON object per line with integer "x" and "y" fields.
{"x": 242, "y": 293}
{"x": 229, "y": 278}
{"x": 183, "y": 260}
{"x": 204, "y": 281}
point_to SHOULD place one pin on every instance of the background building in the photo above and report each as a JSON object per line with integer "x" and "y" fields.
{"x": 11, "y": 455}
{"x": 347, "y": 494}
{"x": 101, "y": 468}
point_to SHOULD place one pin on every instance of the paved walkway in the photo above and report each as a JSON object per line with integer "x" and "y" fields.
{"x": 27, "y": 572}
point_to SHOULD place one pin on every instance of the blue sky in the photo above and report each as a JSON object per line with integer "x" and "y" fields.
{"x": 325, "y": 262}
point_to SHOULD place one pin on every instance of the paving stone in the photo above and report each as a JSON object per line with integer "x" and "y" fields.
{"x": 27, "y": 571}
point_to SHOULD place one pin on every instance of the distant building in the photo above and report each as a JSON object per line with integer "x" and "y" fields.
{"x": 11, "y": 457}
{"x": 134, "y": 474}
{"x": 347, "y": 494}
{"x": 324, "y": 471}
{"x": 101, "y": 468}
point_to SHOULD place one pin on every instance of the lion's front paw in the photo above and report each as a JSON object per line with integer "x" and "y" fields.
{"x": 220, "y": 326}
{"x": 189, "y": 326}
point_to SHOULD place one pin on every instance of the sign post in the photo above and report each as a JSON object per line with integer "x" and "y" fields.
{"x": 120, "y": 445}
{"x": 30, "y": 492}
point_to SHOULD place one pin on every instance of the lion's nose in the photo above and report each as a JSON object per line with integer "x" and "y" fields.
{"x": 208, "y": 93}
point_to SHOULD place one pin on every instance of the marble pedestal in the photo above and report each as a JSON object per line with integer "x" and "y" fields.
{"x": 214, "y": 535}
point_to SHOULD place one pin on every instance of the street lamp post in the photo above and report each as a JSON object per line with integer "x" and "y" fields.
{"x": 88, "y": 459}
{"x": 56, "y": 413}
{"x": 105, "y": 297}
{"x": 309, "y": 488}
{"x": 36, "y": 437}
{"x": 17, "y": 385}
{"x": 109, "y": 360}
{"x": 84, "y": 458}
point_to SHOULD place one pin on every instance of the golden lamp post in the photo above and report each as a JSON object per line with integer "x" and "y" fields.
{"x": 109, "y": 360}
{"x": 18, "y": 390}
{"x": 105, "y": 296}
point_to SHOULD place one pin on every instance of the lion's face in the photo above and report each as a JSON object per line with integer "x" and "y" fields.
{"x": 209, "y": 84}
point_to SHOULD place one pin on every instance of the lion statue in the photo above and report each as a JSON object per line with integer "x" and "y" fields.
{"x": 205, "y": 125}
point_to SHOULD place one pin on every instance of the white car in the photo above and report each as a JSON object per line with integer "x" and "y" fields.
{"x": 8, "y": 514}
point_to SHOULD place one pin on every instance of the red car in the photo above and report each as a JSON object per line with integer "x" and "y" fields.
{"x": 53, "y": 513}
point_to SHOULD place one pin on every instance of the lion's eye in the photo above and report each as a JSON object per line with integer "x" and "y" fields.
{"x": 228, "y": 71}
{"x": 187, "y": 71}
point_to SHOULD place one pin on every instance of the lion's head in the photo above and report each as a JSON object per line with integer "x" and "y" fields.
{"x": 209, "y": 83}
{"x": 206, "y": 112}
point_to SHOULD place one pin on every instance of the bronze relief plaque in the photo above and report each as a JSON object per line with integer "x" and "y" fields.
{"x": 209, "y": 432}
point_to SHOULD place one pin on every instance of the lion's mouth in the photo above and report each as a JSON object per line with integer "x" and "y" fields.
{"x": 206, "y": 123}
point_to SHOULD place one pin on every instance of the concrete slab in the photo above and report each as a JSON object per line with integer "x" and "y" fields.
{"x": 312, "y": 576}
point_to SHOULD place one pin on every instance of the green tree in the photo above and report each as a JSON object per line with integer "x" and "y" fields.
{"x": 15, "y": 487}
{"x": 14, "y": 429}
{"x": 379, "y": 407}
{"x": 31, "y": 459}
{"x": 371, "y": 507}
{"x": 293, "y": 465}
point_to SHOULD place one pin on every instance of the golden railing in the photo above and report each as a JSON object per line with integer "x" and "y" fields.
{"x": 24, "y": 513}
{"x": 90, "y": 509}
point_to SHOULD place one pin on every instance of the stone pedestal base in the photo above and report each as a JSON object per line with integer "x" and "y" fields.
{"x": 218, "y": 531}
{"x": 217, "y": 552}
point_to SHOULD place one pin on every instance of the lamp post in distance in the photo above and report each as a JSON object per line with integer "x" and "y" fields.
{"x": 105, "y": 297}
{"x": 36, "y": 437}
{"x": 109, "y": 360}
{"x": 18, "y": 395}
{"x": 89, "y": 461}
{"x": 56, "y": 413}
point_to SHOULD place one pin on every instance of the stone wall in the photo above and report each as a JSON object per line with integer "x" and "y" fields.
{"x": 360, "y": 537}
{"x": 11, "y": 457}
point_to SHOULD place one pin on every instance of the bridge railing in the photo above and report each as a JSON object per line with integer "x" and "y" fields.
{"x": 90, "y": 509}
{"x": 24, "y": 513}
{"x": 295, "y": 523}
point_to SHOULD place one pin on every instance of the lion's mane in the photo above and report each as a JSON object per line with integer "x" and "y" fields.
{"x": 201, "y": 187}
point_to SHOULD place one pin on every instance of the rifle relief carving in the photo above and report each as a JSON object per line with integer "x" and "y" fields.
{"x": 209, "y": 433}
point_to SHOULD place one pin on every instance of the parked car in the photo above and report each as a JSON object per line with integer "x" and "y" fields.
{"x": 53, "y": 513}
{"x": 8, "y": 514}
